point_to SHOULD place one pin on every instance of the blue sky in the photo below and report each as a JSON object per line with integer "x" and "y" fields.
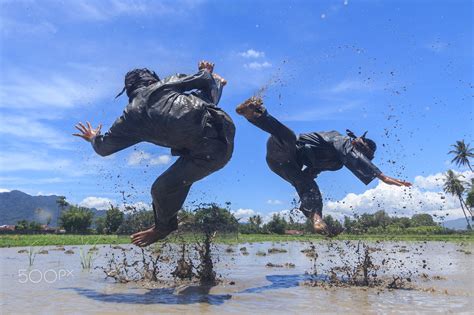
{"x": 400, "y": 69}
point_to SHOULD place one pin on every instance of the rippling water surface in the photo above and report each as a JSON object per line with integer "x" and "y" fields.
{"x": 442, "y": 274}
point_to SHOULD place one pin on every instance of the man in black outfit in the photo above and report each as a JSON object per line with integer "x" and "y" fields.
{"x": 299, "y": 160}
{"x": 181, "y": 113}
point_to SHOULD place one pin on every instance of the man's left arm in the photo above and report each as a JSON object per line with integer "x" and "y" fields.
{"x": 363, "y": 168}
{"x": 360, "y": 166}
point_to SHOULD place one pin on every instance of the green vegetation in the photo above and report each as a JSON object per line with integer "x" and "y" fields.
{"x": 24, "y": 225}
{"x": 63, "y": 240}
{"x": 462, "y": 153}
{"x": 76, "y": 219}
{"x": 454, "y": 185}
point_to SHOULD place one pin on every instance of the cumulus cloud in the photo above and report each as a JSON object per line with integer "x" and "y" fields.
{"x": 244, "y": 214}
{"x": 2, "y": 190}
{"x": 274, "y": 202}
{"x": 161, "y": 160}
{"x": 251, "y": 53}
{"x": 436, "y": 181}
{"x": 426, "y": 196}
{"x": 140, "y": 157}
{"x": 258, "y": 65}
{"x": 99, "y": 203}
{"x": 295, "y": 214}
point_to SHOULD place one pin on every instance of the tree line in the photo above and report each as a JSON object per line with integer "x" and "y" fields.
{"x": 212, "y": 217}
{"x": 76, "y": 219}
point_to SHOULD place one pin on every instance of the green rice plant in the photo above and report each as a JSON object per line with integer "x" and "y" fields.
{"x": 32, "y": 254}
{"x": 87, "y": 257}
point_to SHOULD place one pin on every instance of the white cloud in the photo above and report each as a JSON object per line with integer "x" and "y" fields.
{"x": 350, "y": 86}
{"x": 137, "y": 206}
{"x": 426, "y": 196}
{"x": 436, "y": 181}
{"x": 295, "y": 214}
{"x": 110, "y": 9}
{"x": 40, "y": 193}
{"x": 161, "y": 160}
{"x": 13, "y": 27}
{"x": 437, "y": 46}
{"x": 140, "y": 157}
{"x": 32, "y": 161}
{"x": 244, "y": 214}
{"x": 97, "y": 202}
{"x": 21, "y": 90}
{"x": 102, "y": 203}
{"x": 32, "y": 130}
{"x": 2, "y": 190}
{"x": 251, "y": 53}
{"x": 274, "y": 202}
{"x": 136, "y": 157}
{"x": 258, "y": 65}
{"x": 322, "y": 112}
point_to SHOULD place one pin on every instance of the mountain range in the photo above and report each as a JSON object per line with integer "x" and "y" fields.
{"x": 16, "y": 205}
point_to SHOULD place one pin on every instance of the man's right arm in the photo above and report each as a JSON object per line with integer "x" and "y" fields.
{"x": 117, "y": 138}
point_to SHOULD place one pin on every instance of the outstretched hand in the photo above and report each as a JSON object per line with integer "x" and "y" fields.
{"x": 393, "y": 181}
{"x": 219, "y": 78}
{"x": 87, "y": 133}
{"x": 206, "y": 65}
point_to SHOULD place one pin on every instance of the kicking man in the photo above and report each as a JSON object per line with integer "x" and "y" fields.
{"x": 299, "y": 160}
{"x": 181, "y": 113}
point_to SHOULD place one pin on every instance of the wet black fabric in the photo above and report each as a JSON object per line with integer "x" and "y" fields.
{"x": 180, "y": 113}
{"x": 330, "y": 151}
{"x": 300, "y": 159}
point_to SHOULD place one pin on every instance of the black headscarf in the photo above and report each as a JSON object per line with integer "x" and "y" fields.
{"x": 372, "y": 147}
{"x": 136, "y": 79}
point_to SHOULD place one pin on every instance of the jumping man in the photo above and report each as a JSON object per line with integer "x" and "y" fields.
{"x": 299, "y": 160}
{"x": 180, "y": 113}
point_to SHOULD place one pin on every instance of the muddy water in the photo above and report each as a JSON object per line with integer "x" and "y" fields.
{"x": 441, "y": 276}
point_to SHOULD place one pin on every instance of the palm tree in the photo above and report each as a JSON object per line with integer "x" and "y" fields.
{"x": 256, "y": 221}
{"x": 462, "y": 153}
{"x": 62, "y": 204}
{"x": 470, "y": 195}
{"x": 454, "y": 186}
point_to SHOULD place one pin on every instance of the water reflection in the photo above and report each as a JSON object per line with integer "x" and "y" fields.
{"x": 190, "y": 295}
{"x": 193, "y": 294}
{"x": 284, "y": 282}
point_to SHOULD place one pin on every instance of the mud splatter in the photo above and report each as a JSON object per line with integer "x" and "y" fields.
{"x": 344, "y": 269}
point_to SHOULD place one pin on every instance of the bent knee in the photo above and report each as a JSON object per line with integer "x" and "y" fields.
{"x": 220, "y": 157}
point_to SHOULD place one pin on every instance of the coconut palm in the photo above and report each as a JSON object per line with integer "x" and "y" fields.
{"x": 454, "y": 185}
{"x": 256, "y": 220}
{"x": 62, "y": 204}
{"x": 462, "y": 153}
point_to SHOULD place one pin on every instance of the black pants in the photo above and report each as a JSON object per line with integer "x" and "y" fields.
{"x": 283, "y": 160}
{"x": 205, "y": 154}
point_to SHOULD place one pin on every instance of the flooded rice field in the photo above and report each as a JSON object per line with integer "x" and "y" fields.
{"x": 292, "y": 277}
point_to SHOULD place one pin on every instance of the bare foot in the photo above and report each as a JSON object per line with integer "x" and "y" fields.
{"x": 251, "y": 108}
{"x": 319, "y": 225}
{"x": 322, "y": 228}
{"x": 149, "y": 236}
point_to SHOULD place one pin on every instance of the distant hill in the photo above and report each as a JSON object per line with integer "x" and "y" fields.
{"x": 17, "y": 205}
{"x": 457, "y": 224}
